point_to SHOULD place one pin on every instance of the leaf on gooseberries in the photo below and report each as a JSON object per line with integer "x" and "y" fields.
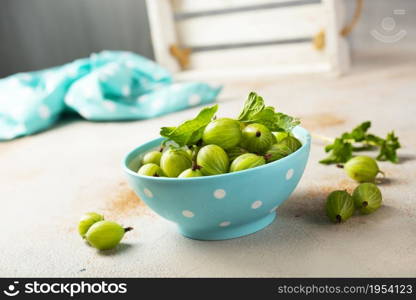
{"x": 255, "y": 111}
{"x": 190, "y": 132}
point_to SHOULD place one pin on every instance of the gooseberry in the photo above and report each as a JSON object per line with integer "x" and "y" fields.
{"x": 280, "y": 135}
{"x": 285, "y": 147}
{"x": 105, "y": 235}
{"x": 234, "y": 152}
{"x": 256, "y": 138}
{"x": 339, "y": 206}
{"x": 151, "y": 170}
{"x": 213, "y": 160}
{"x": 191, "y": 172}
{"x": 223, "y": 132}
{"x": 246, "y": 161}
{"x": 367, "y": 197}
{"x": 175, "y": 161}
{"x": 362, "y": 168}
{"x": 87, "y": 220}
{"x": 152, "y": 157}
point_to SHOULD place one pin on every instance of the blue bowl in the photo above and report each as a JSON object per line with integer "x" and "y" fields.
{"x": 223, "y": 206}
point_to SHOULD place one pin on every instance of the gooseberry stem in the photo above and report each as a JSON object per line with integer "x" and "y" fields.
{"x": 258, "y": 134}
{"x": 339, "y": 218}
{"x": 195, "y": 166}
{"x": 341, "y": 166}
{"x": 127, "y": 229}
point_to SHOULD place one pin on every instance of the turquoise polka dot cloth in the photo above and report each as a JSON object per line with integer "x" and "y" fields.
{"x": 110, "y": 85}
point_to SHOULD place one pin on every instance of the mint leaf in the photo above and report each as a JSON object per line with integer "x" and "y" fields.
{"x": 388, "y": 148}
{"x": 255, "y": 111}
{"x": 358, "y": 134}
{"x": 190, "y": 132}
{"x": 341, "y": 151}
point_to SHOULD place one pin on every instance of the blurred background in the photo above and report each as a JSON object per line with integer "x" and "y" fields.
{"x": 38, "y": 34}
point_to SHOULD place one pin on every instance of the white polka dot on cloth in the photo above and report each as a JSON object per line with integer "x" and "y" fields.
{"x": 44, "y": 112}
{"x": 225, "y": 224}
{"x": 219, "y": 193}
{"x": 109, "y": 105}
{"x": 148, "y": 192}
{"x": 125, "y": 90}
{"x": 194, "y": 99}
{"x": 256, "y": 204}
{"x": 274, "y": 209}
{"x": 289, "y": 174}
{"x": 188, "y": 214}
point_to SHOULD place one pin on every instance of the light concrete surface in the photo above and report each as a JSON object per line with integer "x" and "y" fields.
{"x": 48, "y": 180}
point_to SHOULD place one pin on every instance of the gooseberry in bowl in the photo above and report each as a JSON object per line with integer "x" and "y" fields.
{"x": 222, "y": 205}
{"x": 257, "y": 138}
{"x": 223, "y": 132}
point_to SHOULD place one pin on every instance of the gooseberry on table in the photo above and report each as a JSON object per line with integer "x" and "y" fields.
{"x": 105, "y": 235}
{"x": 362, "y": 168}
{"x": 87, "y": 220}
{"x": 367, "y": 197}
{"x": 339, "y": 206}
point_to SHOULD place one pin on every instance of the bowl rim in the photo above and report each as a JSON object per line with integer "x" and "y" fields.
{"x": 126, "y": 169}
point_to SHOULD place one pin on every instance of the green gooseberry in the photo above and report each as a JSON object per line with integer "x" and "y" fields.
{"x": 152, "y": 157}
{"x": 285, "y": 147}
{"x": 339, "y": 206}
{"x": 257, "y": 138}
{"x": 105, "y": 235}
{"x": 175, "y": 161}
{"x": 213, "y": 160}
{"x": 235, "y": 151}
{"x": 191, "y": 172}
{"x": 280, "y": 135}
{"x": 246, "y": 161}
{"x": 151, "y": 170}
{"x": 223, "y": 132}
{"x": 362, "y": 168}
{"x": 367, "y": 197}
{"x": 87, "y": 220}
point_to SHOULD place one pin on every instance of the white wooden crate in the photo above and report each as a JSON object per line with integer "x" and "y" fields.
{"x": 234, "y": 39}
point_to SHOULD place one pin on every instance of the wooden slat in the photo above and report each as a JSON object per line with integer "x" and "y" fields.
{"x": 275, "y": 55}
{"x": 253, "y": 26}
{"x": 189, "y": 6}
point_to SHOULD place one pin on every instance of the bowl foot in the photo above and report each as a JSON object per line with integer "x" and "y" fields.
{"x": 230, "y": 232}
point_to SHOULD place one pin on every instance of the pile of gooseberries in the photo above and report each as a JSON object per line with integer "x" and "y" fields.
{"x": 227, "y": 145}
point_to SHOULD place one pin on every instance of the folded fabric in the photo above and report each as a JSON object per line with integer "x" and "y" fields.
{"x": 111, "y": 85}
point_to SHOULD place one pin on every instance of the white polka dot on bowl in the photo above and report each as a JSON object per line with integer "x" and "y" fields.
{"x": 289, "y": 174}
{"x": 188, "y": 214}
{"x": 256, "y": 204}
{"x": 148, "y": 192}
{"x": 225, "y": 224}
{"x": 219, "y": 193}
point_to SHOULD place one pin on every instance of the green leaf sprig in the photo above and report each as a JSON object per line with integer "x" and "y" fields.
{"x": 343, "y": 147}
{"x": 190, "y": 132}
{"x": 255, "y": 111}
